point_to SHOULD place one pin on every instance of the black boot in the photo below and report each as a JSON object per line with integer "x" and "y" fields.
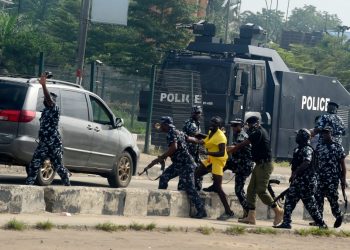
{"x": 283, "y": 225}
{"x": 200, "y": 214}
{"x": 209, "y": 189}
{"x": 338, "y": 221}
{"x": 322, "y": 226}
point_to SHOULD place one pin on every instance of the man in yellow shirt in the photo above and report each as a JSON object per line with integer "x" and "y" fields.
{"x": 215, "y": 144}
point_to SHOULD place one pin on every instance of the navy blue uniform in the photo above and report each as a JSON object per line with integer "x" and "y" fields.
{"x": 303, "y": 186}
{"x": 329, "y": 171}
{"x": 183, "y": 166}
{"x": 50, "y": 146}
{"x": 191, "y": 128}
{"x": 335, "y": 122}
{"x": 242, "y": 164}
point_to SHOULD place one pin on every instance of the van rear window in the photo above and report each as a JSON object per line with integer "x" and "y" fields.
{"x": 12, "y": 96}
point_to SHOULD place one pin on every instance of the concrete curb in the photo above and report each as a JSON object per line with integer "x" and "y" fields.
{"x": 21, "y": 199}
{"x": 124, "y": 202}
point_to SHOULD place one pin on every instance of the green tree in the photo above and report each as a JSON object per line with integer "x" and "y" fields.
{"x": 308, "y": 19}
{"x": 270, "y": 20}
{"x": 151, "y": 31}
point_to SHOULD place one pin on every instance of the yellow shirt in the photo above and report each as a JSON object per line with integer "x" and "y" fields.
{"x": 212, "y": 145}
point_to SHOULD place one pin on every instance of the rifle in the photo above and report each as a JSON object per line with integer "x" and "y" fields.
{"x": 281, "y": 195}
{"x": 154, "y": 162}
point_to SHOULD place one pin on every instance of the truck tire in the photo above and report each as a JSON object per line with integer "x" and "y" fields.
{"x": 46, "y": 174}
{"x": 122, "y": 171}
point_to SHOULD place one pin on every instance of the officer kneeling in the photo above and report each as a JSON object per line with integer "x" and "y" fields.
{"x": 303, "y": 182}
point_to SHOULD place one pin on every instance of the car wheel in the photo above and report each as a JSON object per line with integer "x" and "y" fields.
{"x": 122, "y": 171}
{"x": 46, "y": 174}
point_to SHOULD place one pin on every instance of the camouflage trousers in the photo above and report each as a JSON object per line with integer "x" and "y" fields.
{"x": 302, "y": 188}
{"x": 45, "y": 151}
{"x": 328, "y": 187}
{"x": 186, "y": 176}
{"x": 240, "y": 179}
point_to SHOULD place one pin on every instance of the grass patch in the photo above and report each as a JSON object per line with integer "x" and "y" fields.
{"x": 170, "y": 229}
{"x": 110, "y": 227}
{"x": 235, "y": 230}
{"x": 284, "y": 164}
{"x": 345, "y": 234}
{"x": 136, "y": 226}
{"x": 263, "y": 230}
{"x": 65, "y": 226}
{"x": 47, "y": 225}
{"x": 15, "y": 225}
{"x": 315, "y": 232}
{"x": 206, "y": 230}
{"x": 150, "y": 226}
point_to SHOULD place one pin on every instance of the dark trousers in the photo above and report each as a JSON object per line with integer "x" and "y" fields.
{"x": 239, "y": 190}
{"x": 328, "y": 188}
{"x": 55, "y": 154}
{"x": 186, "y": 175}
{"x": 302, "y": 189}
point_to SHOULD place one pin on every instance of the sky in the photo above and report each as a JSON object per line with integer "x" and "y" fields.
{"x": 339, "y": 7}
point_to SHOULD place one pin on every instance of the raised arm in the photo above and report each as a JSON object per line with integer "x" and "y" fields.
{"x": 47, "y": 95}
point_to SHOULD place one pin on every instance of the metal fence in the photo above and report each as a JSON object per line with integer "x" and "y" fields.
{"x": 118, "y": 90}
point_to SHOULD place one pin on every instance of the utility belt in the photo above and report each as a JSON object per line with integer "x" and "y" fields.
{"x": 262, "y": 161}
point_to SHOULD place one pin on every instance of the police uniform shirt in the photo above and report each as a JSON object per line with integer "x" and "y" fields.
{"x": 333, "y": 121}
{"x": 242, "y": 157}
{"x": 261, "y": 149}
{"x": 181, "y": 154}
{"x": 329, "y": 157}
{"x": 191, "y": 128}
{"x": 49, "y": 120}
{"x": 301, "y": 154}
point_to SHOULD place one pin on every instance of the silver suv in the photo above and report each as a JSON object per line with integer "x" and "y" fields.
{"x": 94, "y": 140}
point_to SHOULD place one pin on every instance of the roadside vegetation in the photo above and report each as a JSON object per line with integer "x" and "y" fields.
{"x": 47, "y": 225}
{"x": 18, "y": 225}
{"x": 15, "y": 225}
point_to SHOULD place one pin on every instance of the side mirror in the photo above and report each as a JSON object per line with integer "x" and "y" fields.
{"x": 119, "y": 122}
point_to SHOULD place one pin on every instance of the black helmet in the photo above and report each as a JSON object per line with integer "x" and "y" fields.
{"x": 303, "y": 136}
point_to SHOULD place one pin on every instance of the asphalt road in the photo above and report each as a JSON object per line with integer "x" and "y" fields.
{"x": 88, "y": 180}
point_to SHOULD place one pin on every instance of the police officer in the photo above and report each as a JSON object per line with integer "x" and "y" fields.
{"x": 261, "y": 153}
{"x": 50, "y": 143}
{"x": 192, "y": 128}
{"x": 241, "y": 162}
{"x": 303, "y": 181}
{"x": 331, "y": 168}
{"x": 333, "y": 120}
{"x": 183, "y": 164}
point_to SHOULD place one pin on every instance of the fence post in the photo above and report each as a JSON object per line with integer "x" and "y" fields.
{"x": 92, "y": 76}
{"x": 150, "y": 109}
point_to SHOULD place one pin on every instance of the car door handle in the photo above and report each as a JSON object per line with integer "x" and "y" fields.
{"x": 97, "y": 129}
{"x": 89, "y": 127}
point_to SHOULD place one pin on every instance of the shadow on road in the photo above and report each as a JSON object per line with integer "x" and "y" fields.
{"x": 20, "y": 180}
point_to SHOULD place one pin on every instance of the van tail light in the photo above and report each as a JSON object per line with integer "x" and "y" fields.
{"x": 17, "y": 115}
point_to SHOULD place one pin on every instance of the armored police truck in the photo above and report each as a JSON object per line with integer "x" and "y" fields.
{"x": 236, "y": 81}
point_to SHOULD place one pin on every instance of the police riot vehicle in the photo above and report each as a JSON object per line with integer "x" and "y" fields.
{"x": 236, "y": 81}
